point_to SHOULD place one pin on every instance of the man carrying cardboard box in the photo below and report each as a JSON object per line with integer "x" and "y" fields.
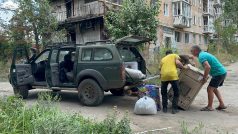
{"x": 218, "y": 72}
{"x": 169, "y": 75}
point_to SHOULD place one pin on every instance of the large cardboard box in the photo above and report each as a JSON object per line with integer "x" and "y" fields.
{"x": 189, "y": 86}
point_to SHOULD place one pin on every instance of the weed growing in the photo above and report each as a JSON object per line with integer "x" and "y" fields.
{"x": 44, "y": 117}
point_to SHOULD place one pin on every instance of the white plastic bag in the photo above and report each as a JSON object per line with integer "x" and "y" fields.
{"x": 145, "y": 105}
{"x": 135, "y": 74}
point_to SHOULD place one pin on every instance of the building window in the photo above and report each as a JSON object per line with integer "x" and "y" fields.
{"x": 205, "y": 40}
{"x": 166, "y": 10}
{"x": 200, "y": 21}
{"x": 194, "y": 20}
{"x": 194, "y": 38}
{"x": 186, "y": 37}
{"x": 200, "y": 39}
{"x": 177, "y": 36}
{"x": 176, "y": 8}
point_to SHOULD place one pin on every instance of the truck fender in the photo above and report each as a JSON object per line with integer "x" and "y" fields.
{"x": 93, "y": 74}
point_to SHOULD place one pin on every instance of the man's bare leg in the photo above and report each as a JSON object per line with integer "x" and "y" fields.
{"x": 219, "y": 97}
{"x": 210, "y": 95}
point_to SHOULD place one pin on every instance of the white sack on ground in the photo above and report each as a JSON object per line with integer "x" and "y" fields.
{"x": 145, "y": 105}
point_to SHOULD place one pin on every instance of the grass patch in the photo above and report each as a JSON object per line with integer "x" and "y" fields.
{"x": 44, "y": 117}
{"x": 196, "y": 130}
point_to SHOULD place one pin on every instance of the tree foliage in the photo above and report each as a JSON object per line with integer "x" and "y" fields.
{"x": 135, "y": 17}
{"x": 225, "y": 33}
{"x": 37, "y": 18}
{"x": 231, "y": 10}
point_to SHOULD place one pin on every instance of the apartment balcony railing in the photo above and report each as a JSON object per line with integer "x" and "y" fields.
{"x": 207, "y": 29}
{"x": 89, "y": 10}
{"x": 181, "y": 21}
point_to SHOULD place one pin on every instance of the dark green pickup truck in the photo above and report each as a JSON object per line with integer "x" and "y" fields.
{"x": 90, "y": 69}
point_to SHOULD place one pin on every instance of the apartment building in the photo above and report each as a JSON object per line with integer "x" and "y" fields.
{"x": 83, "y": 19}
{"x": 186, "y": 22}
{"x": 182, "y": 22}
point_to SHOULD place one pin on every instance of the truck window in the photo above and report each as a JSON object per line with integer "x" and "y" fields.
{"x": 102, "y": 54}
{"x": 43, "y": 57}
{"x": 86, "y": 54}
{"x": 127, "y": 55}
{"x": 53, "y": 58}
{"x": 62, "y": 54}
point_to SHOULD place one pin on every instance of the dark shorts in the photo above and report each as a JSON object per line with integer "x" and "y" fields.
{"x": 217, "y": 81}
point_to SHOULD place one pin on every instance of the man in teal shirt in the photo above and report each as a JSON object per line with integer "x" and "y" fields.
{"x": 218, "y": 72}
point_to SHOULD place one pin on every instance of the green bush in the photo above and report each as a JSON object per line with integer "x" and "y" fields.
{"x": 44, "y": 117}
{"x": 225, "y": 56}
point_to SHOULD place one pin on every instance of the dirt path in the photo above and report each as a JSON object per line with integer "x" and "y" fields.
{"x": 214, "y": 122}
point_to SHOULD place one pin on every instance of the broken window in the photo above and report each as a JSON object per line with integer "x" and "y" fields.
{"x": 177, "y": 8}
{"x": 186, "y": 9}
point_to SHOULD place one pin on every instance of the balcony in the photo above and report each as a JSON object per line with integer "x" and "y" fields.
{"x": 207, "y": 11}
{"x": 86, "y": 11}
{"x": 217, "y": 3}
{"x": 181, "y": 21}
{"x": 208, "y": 29}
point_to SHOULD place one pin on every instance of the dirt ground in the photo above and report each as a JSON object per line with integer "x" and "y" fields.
{"x": 214, "y": 122}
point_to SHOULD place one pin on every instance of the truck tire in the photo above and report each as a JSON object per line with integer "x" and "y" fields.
{"x": 21, "y": 91}
{"x": 117, "y": 92}
{"x": 90, "y": 93}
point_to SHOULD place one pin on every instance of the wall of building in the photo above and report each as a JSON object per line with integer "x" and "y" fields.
{"x": 166, "y": 29}
{"x": 87, "y": 33}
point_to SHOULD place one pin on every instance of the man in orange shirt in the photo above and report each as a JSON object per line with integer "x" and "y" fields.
{"x": 169, "y": 75}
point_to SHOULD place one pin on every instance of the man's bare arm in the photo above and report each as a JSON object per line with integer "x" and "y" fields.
{"x": 207, "y": 69}
{"x": 179, "y": 64}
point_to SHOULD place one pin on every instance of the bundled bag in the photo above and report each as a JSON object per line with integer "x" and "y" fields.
{"x": 151, "y": 91}
{"x": 135, "y": 74}
{"x": 145, "y": 106}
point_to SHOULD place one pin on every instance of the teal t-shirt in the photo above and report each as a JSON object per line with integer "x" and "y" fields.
{"x": 216, "y": 67}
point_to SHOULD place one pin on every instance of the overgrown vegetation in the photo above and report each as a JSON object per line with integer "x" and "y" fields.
{"x": 225, "y": 45}
{"x": 135, "y": 17}
{"x": 196, "y": 130}
{"x": 44, "y": 117}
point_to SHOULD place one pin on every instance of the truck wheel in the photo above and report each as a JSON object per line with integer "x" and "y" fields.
{"x": 21, "y": 91}
{"x": 117, "y": 92}
{"x": 90, "y": 93}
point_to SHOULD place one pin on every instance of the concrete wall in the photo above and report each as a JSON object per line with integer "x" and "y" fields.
{"x": 166, "y": 28}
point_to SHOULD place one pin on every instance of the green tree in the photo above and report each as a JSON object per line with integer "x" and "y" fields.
{"x": 134, "y": 17}
{"x": 225, "y": 33}
{"x": 37, "y": 17}
{"x": 231, "y": 10}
